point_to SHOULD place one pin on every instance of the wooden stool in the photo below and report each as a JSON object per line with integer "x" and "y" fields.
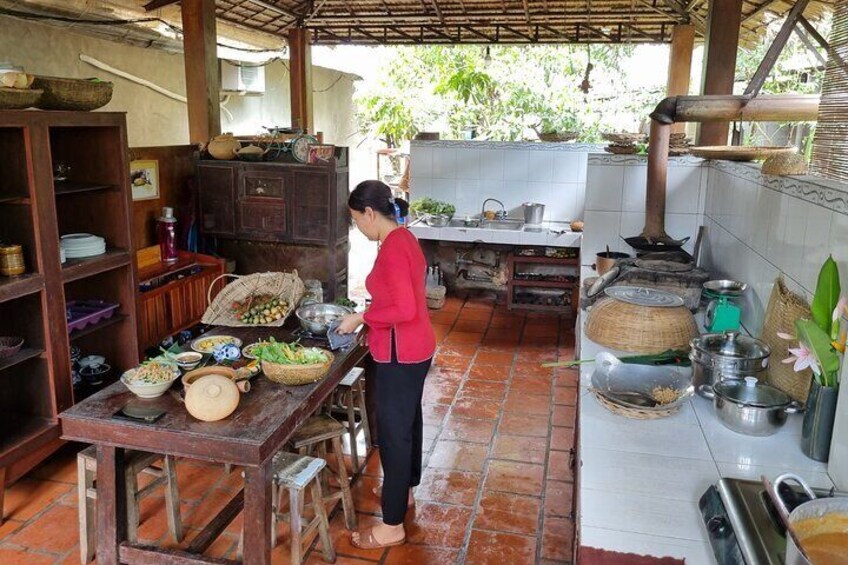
{"x": 294, "y": 473}
{"x": 314, "y": 436}
{"x": 137, "y": 462}
{"x": 349, "y": 401}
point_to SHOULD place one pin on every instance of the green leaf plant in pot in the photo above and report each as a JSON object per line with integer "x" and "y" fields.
{"x": 819, "y": 348}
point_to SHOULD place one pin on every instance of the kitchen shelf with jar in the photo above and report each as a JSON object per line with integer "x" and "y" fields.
{"x": 554, "y": 277}
{"x": 88, "y": 150}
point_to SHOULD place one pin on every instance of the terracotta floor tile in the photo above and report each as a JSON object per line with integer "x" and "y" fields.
{"x": 439, "y": 525}
{"x": 470, "y": 430}
{"x": 452, "y": 304}
{"x": 565, "y": 396}
{"x": 484, "y": 314}
{"x": 9, "y": 527}
{"x": 317, "y": 558}
{"x": 196, "y": 480}
{"x": 373, "y": 468}
{"x": 533, "y": 368}
{"x": 558, "y": 498}
{"x": 439, "y": 392}
{"x": 499, "y": 342}
{"x": 497, "y": 373}
{"x": 12, "y": 556}
{"x": 524, "y": 425}
{"x": 562, "y": 439}
{"x": 557, "y": 538}
{"x": 441, "y": 332}
{"x": 510, "y": 349}
{"x": 558, "y": 466}
{"x": 480, "y": 408}
{"x": 567, "y": 378}
{"x": 56, "y": 531}
{"x": 506, "y": 321}
{"x": 532, "y": 354}
{"x": 448, "y": 486}
{"x": 364, "y": 499}
{"x": 564, "y": 415}
{"x": 452, "y": 362}
{"x": 28, "y": 497}
{"x": 458, "y": 349}
{"x": 205, "y": 511}
{"x": 411, "y": 554}
{"x": 61, "y": 468}
{"x": 340, "y": 537}
{"x": 519, "y": 402}
{"x": 465, "y": 338}
{"x": 536, "y": 332}
{"x": 484, "y": 389}
{"x": 474, "y": 326}
{"x": 520, "y": 448}
{"x": 430, "y": 431}
{"x": 531, "y": 384}
{"x": 461, "y": 456}
{"x": 442, "y": 317}
{"x": 153, "y": 521}
{"x": 516, "y": 478}
{"x": 440, "y": 375}
{"x": 505, "y": 512}
{"x": 72, "y": 558}
{"x": 224, "y": 547}
{"x": 540, "y": 341}
{"x": 497, "y": 548}
{"x": 494, "y": 358}
{"x": 434, "y": 414}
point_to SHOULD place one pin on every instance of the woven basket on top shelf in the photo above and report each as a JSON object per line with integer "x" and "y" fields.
{"x": 640, "y": 329}
{"x": 18, "y": 98}
{"x": 72, "y": 94}
{"x": 295, "y": 375}
{"x": 285, "y": 286}
{"x": 783, "y": 309}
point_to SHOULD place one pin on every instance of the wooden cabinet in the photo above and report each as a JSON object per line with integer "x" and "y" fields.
{"x": 279, "y": 217}
{"x": 35, "y": 210}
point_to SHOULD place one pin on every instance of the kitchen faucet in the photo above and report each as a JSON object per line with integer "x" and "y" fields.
{"x": 499, "y": 215}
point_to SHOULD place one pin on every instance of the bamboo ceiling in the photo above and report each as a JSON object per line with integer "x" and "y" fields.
{"x": 493, "y": 21}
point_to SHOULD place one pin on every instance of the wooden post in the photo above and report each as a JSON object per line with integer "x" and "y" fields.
{"x": 721, "y": 44}
{"x": 680, "y": 64}
{"x": 201, "y": 69}
{"x": 300, "y": 78}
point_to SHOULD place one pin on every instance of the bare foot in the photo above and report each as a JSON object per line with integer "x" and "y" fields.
{"x": 381, "y": 535}
{"x": 378, "y": 492}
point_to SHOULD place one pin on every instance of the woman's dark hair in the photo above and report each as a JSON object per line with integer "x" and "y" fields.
{"x": 377, "y": 196}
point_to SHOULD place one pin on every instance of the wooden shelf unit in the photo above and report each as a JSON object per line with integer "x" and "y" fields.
{"x": 572, "y": 287}
{"x": 35, "y": 383}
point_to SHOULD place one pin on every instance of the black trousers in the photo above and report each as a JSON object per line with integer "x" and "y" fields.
{"x": 401, "y": 427}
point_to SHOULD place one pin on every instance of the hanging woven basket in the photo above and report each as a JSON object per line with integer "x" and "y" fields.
{"x": 287, "y": 287}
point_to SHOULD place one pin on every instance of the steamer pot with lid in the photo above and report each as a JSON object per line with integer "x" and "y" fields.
{"x": 726, "y": 355}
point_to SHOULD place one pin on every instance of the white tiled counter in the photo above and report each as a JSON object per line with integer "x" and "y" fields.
{"x": 640, "y": 480}
{"x": 551, "y": 234}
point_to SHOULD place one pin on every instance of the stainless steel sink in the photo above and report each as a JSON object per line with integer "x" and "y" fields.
{"x": 456, "y": 223}
{"x": 510, "y": 225}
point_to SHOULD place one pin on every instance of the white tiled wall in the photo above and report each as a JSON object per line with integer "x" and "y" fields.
{"x": 759, "y": 226}
{"x": 615, "y": 201}
{"x": 468, "y": 172}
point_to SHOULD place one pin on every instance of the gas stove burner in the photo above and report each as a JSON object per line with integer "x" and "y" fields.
{"x": 303, "y": 334}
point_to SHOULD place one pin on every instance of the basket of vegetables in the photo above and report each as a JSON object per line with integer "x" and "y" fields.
{"x": 260, "y": 299}
{"x": 292, "y": 363}
{"x": 435, "y": 212}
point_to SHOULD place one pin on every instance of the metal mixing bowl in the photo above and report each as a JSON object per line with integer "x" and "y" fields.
{"x": 316, "y": 318}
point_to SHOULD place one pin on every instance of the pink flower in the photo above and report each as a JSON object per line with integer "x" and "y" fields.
{"x": 803, "y": 358}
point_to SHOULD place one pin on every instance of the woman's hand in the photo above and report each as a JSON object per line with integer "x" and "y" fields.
{"x": 350, "y": 323}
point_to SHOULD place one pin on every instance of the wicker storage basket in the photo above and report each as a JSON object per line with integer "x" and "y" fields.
{"x": 639, "y": 329}
{"x": 72, "y": 93}
{"x": 633, "y": 413}
{"x": 19, "y": 98}
{"x": 294, "y": 375}
{"x": 286, "y": 286}
{"x": 783, "y": 309}
{"x": 10, "y": 345}
{"x": 436, "y": 297}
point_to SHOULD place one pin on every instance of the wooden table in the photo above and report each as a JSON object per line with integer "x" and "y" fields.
{"x": 264, "y": 420}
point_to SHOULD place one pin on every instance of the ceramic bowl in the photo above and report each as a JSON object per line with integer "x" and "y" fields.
{"x": 188, "y": 360}
{"x": 145, "y": 390}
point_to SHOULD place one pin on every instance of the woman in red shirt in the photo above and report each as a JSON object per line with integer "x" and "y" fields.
{"x": 402, "y": 343}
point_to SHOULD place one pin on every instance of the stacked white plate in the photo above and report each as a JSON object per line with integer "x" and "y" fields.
{"x": 81, "y": 245}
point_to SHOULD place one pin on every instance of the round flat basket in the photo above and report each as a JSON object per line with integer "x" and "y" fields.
{"x": 72, "y": 94}
{"x": 639, "y": 329}
{"x": 559, "y": 137}
{"x": 295, "y": 375}
{"x": 286, "y": 287}
{"x": 634, "y": 413}
{"x": 18, "y": 98}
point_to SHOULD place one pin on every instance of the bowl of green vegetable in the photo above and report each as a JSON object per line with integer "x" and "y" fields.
{"x": 428, "y": 208}
{"x": 292, "y": 363}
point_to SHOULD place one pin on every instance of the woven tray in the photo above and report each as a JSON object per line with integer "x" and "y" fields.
{"x": 783, "y": 309}
{"x": 639, "y": 329}
{"x": 738, "y": 153}
{"x": 560, "y": 137}
{"x": 633, "y": 413}
{"x": 18, "y": 98}
{"x": 296, "y": 375}
{"x": 72, "y": 94}
{"x": 286, "y": 286}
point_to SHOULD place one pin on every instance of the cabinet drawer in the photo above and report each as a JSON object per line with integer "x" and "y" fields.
{"x": 263, "y": 184}
{"x": 262, "y": 216}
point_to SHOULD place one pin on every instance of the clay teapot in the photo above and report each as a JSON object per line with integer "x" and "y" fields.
{"x": 223, "y": 146}
{"x": 212, "y": 398}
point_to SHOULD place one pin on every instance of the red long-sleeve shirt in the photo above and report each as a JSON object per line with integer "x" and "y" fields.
{"x": 399, "y": 302}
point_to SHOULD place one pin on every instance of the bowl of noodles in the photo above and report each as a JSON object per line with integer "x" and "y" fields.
{"x": 150, "y": 380}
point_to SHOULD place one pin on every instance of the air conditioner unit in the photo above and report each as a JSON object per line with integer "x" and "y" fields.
{"x": 242, "y": 79}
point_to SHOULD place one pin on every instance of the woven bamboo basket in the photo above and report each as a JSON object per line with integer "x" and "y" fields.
{"x": 783, "y": 309}
{"x": 285, "y": 286}
{"x": 436, "y": 297}
{"x": 72, "y": 94}
{"x": 19, "y": 98}
{"x": 560, "y": 136}
{"x": 295, "y": 375}
{"x": 639, "y": 329}
{"x": 633, "y": 413}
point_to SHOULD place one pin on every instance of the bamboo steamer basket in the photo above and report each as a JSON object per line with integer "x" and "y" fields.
{"x": 640, "y": 329}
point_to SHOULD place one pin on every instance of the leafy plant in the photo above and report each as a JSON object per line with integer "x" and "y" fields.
{"x": 428, "y": 205}
{"x": 283, "y": 353}
{"x": 826, "y": 296}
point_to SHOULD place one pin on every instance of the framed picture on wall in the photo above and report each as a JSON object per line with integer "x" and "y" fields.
{"x": 144, "y": 176}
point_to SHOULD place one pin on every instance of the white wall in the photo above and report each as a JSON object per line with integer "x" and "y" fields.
{"x": 468, "y": 172}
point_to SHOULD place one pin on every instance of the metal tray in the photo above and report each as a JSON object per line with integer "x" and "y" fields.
{"x": 644, "y": 296}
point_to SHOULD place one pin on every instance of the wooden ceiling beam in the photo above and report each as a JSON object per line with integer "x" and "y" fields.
{"x": 526, "y": 4}
{"x": 440, "y": 33}
{"x": 402, "y": 33}
{"x": 156, "y": 4}
{"x": 518, "y": 33}
{"x": 457, "y": 18}
{"x": 596, "y": 31}
{"x": 776, "y": 48}
{"x": 277, "y": 9}
{"x": 808, "y": 43}
{"x": 758, "y": 10}
{"x": 438, "y": 10}
{"x": 479, "y": 34}
{"x": 814, "y": 33}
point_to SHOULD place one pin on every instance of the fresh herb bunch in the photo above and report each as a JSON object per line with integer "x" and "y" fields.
{"x": 427, "y": 205}
{"x": 346, "y": 302}
{"x": 284, "y": 353}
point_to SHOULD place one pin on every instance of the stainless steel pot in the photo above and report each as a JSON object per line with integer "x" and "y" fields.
{"x": 818, "y": 508}
{"x": 726, "y": 355}
{"x": 316, "y": 318}
{"x": 534, "y": 213}
{"x": 750, "y": 408}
